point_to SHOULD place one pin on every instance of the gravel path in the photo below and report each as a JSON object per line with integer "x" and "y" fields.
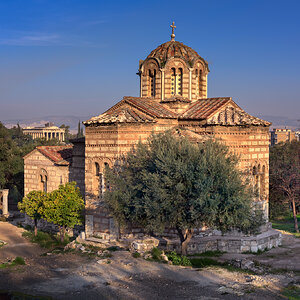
{"x": 74, "y": 276}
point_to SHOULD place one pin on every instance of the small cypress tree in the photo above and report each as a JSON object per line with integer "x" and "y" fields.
{"x": 79, "y": 130}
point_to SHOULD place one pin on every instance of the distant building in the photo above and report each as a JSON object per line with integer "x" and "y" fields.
{"x": 279, "y": 135}
{"x": 48, "y": 132}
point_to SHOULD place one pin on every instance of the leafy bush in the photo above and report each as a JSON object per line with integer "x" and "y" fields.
{"x": 33, "y": 205}
{"x": 136, "y": 255}
{"x": 156, "y": 253}
{"x": 209, "y": 253}
{"x": 16, "y": 262}
{"x": 45, "y": 240}
{"x": 204, "y": 262}
{"x": 178, "y": 260}
{"x": 64, "y": 207}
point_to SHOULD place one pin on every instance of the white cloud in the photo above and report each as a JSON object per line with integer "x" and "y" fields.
{"x": 32, "y": 40}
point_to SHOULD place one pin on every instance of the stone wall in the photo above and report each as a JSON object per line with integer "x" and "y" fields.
{"x": 35, "y": 165}
{"x": 103, "y": 145}
{"x": 77, "y": 167}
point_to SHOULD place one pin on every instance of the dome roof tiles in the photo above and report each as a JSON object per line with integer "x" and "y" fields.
{"x": 175, "y": 49}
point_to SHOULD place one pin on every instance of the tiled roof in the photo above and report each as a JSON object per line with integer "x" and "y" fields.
{"x": 142, "y": 110}
{"x": 215, "y": 111}
{"x": 235, "y": 116}
{"x": 58, "y": 154}
{"x": 175, "y": 49}
{"x": 203, "y": 108}
{"x": 151, "y": 107}
{"x": 121, "y": 115}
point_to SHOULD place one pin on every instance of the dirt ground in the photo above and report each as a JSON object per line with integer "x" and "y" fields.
{"x": 74, "y": 276}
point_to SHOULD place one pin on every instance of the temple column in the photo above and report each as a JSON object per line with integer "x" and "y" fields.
{"x": 162, "y": 84}
{"x": 5, "y": 202}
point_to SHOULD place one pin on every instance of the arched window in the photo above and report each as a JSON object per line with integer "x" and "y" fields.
{"x": 97, "y": 169}
{"x": 152, "y": 79}
{"x": 199, "y": 83}
{"x": 173, "y": 81}
{"x": 179, "y": 82}
{"x": 43, "y": 180}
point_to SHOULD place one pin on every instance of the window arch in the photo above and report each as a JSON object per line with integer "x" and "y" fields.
{"x": 179, "y": 82}
{"x": 152, "y": 82}
{"x": 173, "y": 81}
{"x": 259, "y": 176}
{"x": 199, "y": 83}
{"x": 97, "y": 169}
{"x": 43, "y": 180}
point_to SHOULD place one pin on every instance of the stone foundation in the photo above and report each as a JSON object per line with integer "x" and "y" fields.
{"x": 231, "y": 244}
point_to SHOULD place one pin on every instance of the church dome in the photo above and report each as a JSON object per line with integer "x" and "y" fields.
{"x": 173, "y": 69}
{"x": 175, "y": 49}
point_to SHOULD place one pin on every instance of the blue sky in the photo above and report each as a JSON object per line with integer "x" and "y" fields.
{"x": 80, "y": 57}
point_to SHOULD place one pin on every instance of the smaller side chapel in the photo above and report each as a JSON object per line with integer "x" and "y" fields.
{"x": 173, "y": 95}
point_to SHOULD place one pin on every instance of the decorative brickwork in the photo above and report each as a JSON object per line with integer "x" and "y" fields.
{"x": 180, "y": 104}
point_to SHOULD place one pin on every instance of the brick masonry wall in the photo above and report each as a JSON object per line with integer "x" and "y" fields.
{"x": 34, "y": 163}
{"x": 77, "y": 168}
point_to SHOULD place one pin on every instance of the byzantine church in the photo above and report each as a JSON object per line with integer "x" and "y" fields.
{"x": 173, "y": 96}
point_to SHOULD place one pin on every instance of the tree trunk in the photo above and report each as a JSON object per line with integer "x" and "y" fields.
{"x": 295, "y": 215}
{"x": 35, "y": 227}
{"x": 185, "y": 236}
{"x": 62, "y": 233}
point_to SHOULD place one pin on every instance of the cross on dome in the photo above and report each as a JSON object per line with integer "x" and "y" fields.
{"x": 173, "y": 35}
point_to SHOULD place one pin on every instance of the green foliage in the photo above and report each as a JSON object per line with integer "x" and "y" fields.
{"x": 136, "y": 255}
{"x": 209, "y": 253}
{"x": 16, "y": 262}
{"x": 33, "y": 204}
{"x": 14, "y": 295}
{"x": 292, "y": 292}
{"x": 284, "y": 177}
{"x": 45, "y": 239}
{"x": 14, "y": 144}
{"x": 204, "y": 262}
{"x": 287, "y": 224}
{"x": 64, "y": 206}
{"x": 156, "y": 253}
{"x": 178, "y": 260}
{"x": 172, "y": 182}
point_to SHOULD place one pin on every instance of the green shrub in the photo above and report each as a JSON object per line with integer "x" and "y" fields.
{"x": 45, "y": 239}
{"x": 178, "y": 260}
{"x": 16, "y": 262}
{"x": 19, "y": 261}
{"x": 136, "y": 255}
{"x": 209, "y": 253}
{"x": 156, "y": 253}
{"x": 204, "y": 262}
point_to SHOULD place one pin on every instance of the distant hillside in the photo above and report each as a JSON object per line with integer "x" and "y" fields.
{"x": 71, "y": 121}
{"x": 282, "y": 122}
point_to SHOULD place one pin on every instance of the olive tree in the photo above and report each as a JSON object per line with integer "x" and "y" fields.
{"x": 170, "y": 182}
